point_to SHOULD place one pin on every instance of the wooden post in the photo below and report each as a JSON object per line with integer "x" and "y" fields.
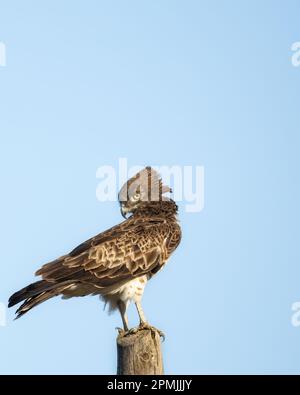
{"x": 140, "y": 353}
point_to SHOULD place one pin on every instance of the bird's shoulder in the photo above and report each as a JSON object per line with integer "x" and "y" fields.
{"x": 130, "y": 229}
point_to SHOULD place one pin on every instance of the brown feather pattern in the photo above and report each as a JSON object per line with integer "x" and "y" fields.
{"x": 138, "y": 246}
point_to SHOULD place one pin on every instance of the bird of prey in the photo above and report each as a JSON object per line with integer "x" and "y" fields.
{"x": 115, "y": 264}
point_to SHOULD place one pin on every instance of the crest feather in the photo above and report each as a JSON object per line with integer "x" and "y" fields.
{"x": 148, "y": 183}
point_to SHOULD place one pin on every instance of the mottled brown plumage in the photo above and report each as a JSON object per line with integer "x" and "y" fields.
{"x": 117, "y": 263}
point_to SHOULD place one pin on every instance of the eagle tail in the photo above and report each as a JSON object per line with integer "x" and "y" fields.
{"x": 34, "y": 294}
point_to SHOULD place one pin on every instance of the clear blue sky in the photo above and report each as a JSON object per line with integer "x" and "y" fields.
{"x": 160, "y": 82}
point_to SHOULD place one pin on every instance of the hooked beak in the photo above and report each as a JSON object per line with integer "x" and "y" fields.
{"x": 123, "y": 211}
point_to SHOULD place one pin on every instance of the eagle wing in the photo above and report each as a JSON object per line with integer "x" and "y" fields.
{"x": 123, "y": 252}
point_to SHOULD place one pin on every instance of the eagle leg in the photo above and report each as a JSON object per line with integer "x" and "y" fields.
{"x": 141, "y": 313}
{"x": 143, "y": 322}
{"x": 122, "y": 308}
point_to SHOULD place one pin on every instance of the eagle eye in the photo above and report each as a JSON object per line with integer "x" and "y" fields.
{"x": 136, "y": 197}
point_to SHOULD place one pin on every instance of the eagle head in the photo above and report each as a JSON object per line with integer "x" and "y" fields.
{"x": 144, "y": 187}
